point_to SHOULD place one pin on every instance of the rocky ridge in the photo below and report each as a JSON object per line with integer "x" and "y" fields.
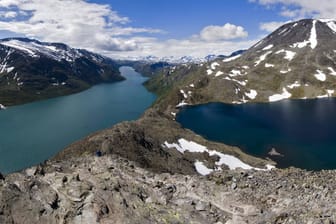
{"x": 108, "y": 189}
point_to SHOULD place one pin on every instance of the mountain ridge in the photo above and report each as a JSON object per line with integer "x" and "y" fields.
{"x": 297, "y": 61}
{"x": 32, "y": 70}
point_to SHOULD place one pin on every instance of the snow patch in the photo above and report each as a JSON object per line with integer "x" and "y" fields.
{"x": 330, "y": 23}
{"x": 277, "y": 97}
{"x": 243, "y": 83}
{"x": 330, "y": 92}
{"x": 269, "y": 65}
{"x": 192, "y": 85}
{"x": 313, "y": 36}
{"x": 252, "y": 94}
{"x": 312, "y": 39}
{"x": 285, "y": 71}
{"x": 320, "y": 76}
{"x": 181, "y": 104}
{"x": 231, "y": 58}
{"x": 219, "y": 73}
{"x": 214, "y": 65}
{"x": 33, "y": 49}
{"x": 295, "y": 84}
{"x": 262, "y": 58}
{"x": 224, "y": 159}
{"x": 209, "y": 71}
{"x": 332, "y": 71}
{"x": 300, "y": 44}
{"x": 235, "y": 73}
{"x": 19, "y": 45}
{"x": 202, "y": 169}
{"x": 2, "y": 107}
{"x": 289, "y": 54}
{"x": 184, "y": 94}
{"x": 268, "y": 47}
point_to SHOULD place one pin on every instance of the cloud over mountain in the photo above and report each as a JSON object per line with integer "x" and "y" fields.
{"x": 226, "y": 32}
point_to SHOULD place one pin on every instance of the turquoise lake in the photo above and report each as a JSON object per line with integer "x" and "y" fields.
{"x": 303, "y": 131}
{"x": 34, "y": 132}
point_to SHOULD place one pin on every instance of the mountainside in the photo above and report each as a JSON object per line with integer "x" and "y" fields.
{"x": 297, "y": 61}
{"x": 32, "y": 70}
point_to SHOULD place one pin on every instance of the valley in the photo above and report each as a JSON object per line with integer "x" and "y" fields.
{"x": 153, "y": 170}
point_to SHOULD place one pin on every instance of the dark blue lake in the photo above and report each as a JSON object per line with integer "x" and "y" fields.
{"x": 304, "y": 131}
{"x": 33, "y": 132}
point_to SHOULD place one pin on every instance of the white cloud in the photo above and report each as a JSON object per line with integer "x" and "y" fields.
{"x": 75, "y": 22}
{"x": 304, "y": 8}
{"x": 225, "y": 32}
{"x": 98, "y": 28}
{"x": 291, "y": 13}
{"x": 186, "y": 47}
{"x": 271, "y": 26}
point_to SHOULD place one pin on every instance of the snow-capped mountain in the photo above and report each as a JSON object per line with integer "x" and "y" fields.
{"x": 182, "y": 60}
{"x": 30, "y": 70}
{"x": 296, "y": 61}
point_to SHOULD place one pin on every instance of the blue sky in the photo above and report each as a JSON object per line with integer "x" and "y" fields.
{"x": 136, "y": 28}
{"x": 183, "y": 18}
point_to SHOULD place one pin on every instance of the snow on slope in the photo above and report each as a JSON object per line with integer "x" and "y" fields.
{"x": 34, "y": 49}
{"x": 232, "y": 162}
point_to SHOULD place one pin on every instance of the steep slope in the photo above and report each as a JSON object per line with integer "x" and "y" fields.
{"x": 32, "y": 70}
{"x": 298, "y": 60}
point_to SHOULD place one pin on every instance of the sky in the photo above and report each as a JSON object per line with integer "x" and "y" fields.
{"x": 162, "y": 28}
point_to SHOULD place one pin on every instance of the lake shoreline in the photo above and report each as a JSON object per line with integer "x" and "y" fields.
{"x": 55, "y": 123}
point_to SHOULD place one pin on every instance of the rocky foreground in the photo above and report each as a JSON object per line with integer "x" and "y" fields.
{"x": 111, "y": 189}
{"x": 135, "y": 179}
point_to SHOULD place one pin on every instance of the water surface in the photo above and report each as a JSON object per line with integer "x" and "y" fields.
{"x": 304, "y": 131}
{"x": 32, "y": 133}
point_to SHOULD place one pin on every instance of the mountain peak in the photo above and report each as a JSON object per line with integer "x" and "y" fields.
{"x": 300, "y": 34}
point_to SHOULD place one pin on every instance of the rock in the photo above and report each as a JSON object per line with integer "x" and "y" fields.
{"x": 200, "y": 206}
{"x": 273, "y": 152}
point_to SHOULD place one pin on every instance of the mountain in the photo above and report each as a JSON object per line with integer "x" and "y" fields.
{"x": 150, "y": 170}
{"x": 32, "y": 70}
{"x": 181, "y": 60}
{"x": 298, "y": 61}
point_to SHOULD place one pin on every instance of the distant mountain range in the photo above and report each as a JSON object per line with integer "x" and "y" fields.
{"x": 182, "y": 60}
{"x": 32, "y": 70}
